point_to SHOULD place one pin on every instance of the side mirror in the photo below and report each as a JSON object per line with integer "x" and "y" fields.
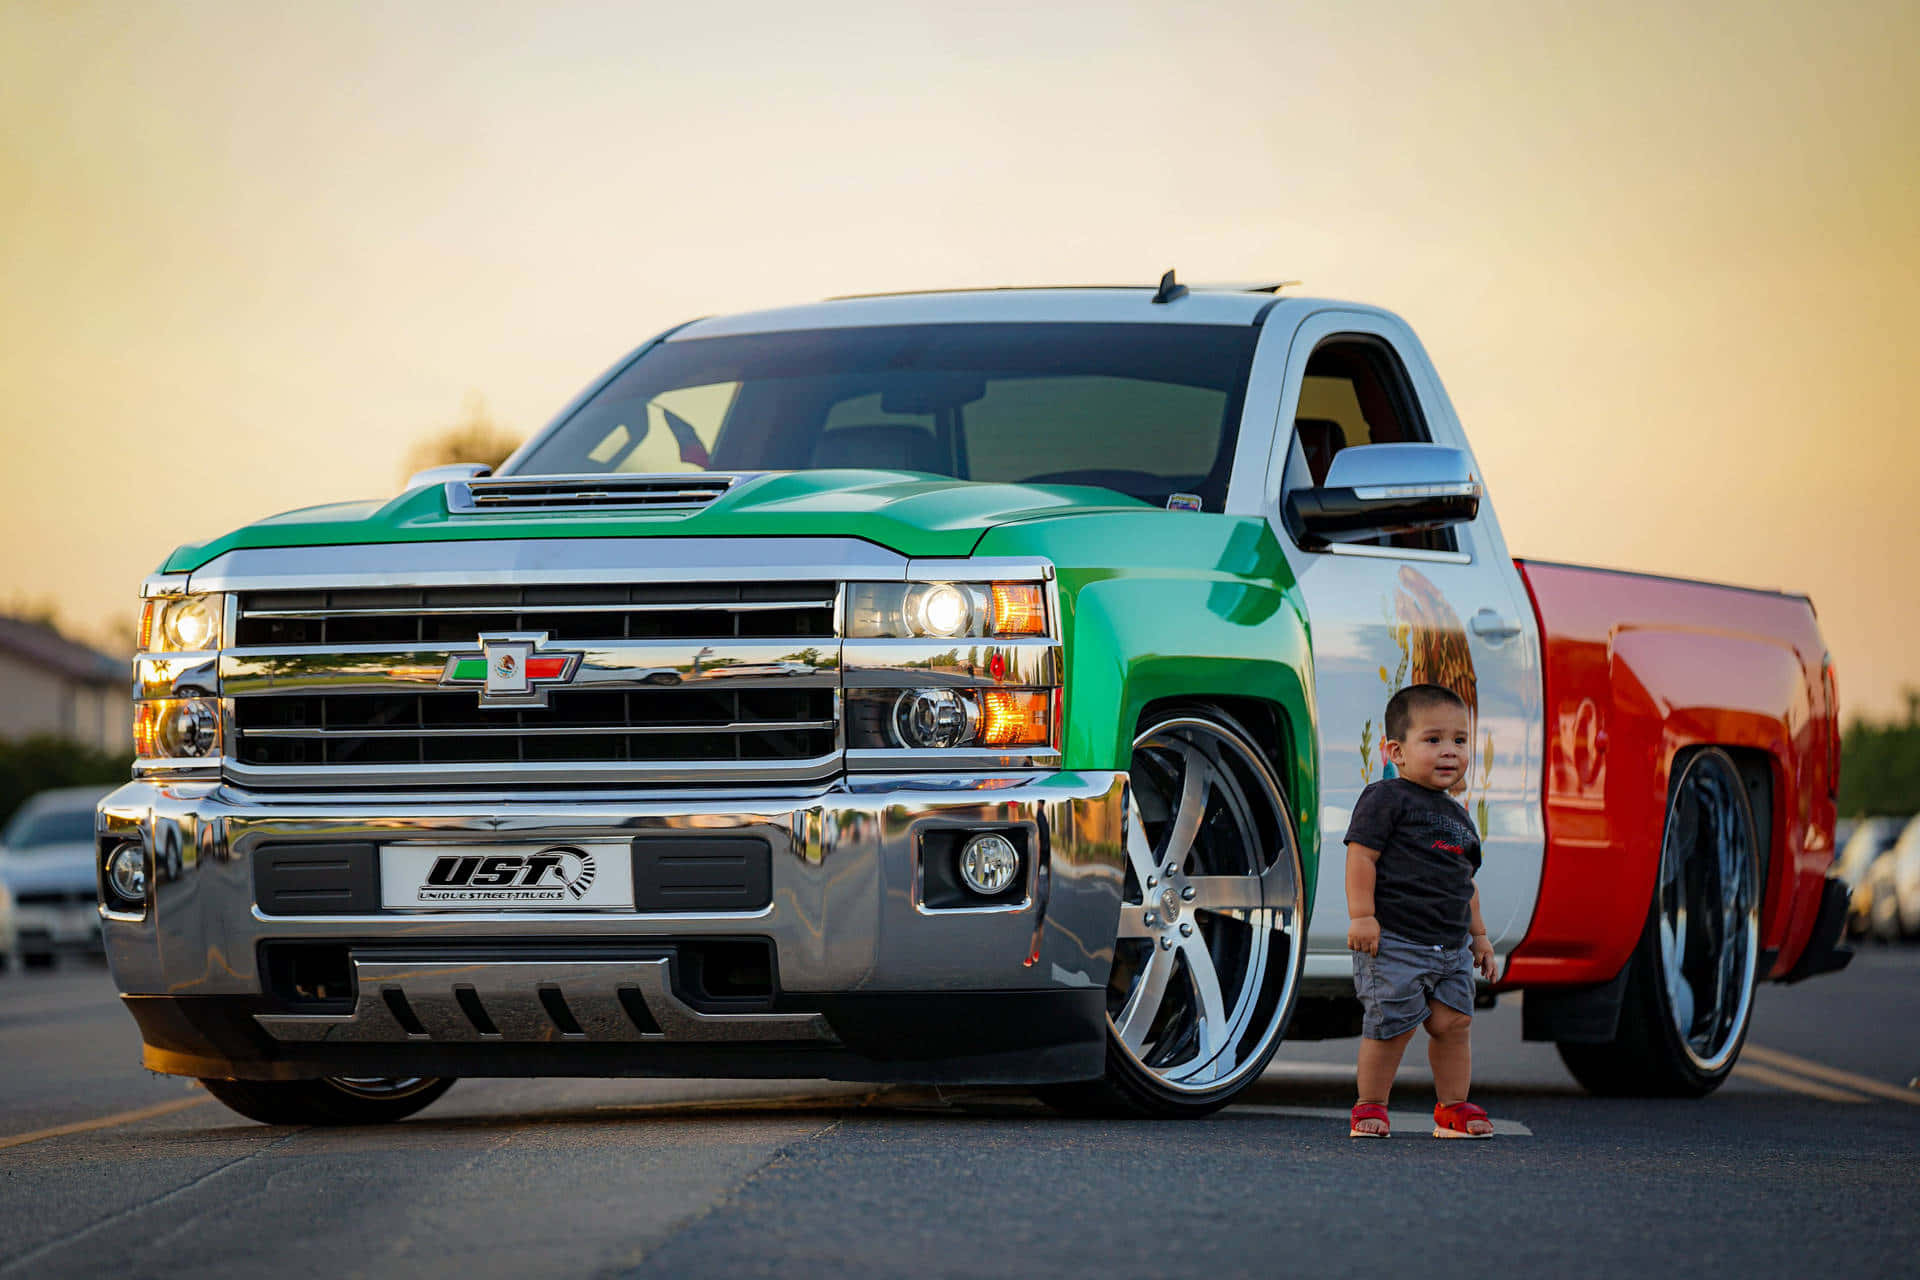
{"x": 455, "y": 471}
{"x": 1373, "y": 489}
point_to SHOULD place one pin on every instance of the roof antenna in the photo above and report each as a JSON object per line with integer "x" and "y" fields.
{"x": 1169, "y": 289}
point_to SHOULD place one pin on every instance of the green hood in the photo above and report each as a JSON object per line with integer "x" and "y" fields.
{"x": 905, "y": 512}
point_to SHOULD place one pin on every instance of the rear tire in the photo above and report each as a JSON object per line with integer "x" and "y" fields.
{"x": 1689, "y": 994}
{"x": 1212, "y": 925}
{"x": 329, "y": 1101}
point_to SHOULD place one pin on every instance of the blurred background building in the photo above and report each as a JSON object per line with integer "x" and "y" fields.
{"x": 53, "y": 686}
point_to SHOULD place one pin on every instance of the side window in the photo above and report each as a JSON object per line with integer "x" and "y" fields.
{"x": 675, "y": 431}
{"x": 1355, "y": 392}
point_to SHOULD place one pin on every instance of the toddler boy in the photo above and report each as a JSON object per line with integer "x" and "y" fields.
{"x": 1414, "y": 912}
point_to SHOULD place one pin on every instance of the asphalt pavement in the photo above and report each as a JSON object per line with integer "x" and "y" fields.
{"x": 1808, "y": 1160}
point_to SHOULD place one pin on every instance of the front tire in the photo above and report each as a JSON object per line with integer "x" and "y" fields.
{"x": 1689, "y": 995}
{"x": 1212, "y": 931}
{"x": 335, "y": 1100}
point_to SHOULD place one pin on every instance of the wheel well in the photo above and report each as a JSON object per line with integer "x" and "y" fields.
{"x": 1590, "y": 1014}
{"x": 1264, "y": 721}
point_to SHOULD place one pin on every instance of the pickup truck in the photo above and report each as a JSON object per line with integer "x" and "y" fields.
{"x": 967, "y": 687}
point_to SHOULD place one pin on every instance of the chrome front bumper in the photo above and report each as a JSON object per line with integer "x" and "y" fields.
{"x": 845, "y": 923}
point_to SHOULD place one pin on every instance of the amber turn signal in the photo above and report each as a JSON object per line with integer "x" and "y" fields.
{"x": 1016, "y": 717}
{"x": 1019, "y": 609}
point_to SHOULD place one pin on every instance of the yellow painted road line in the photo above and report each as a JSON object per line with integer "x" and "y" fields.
{"x": 1781, "y": 1080}
{"x": 790, "y": 1102}
{"x": 104, "y": 1122}
{"x": 1833, "y": 1075}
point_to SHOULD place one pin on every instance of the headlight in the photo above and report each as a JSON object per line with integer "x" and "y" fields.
{"x": 935, "y": 719}
{"x": 182, "y": 624}
{"x": 939, "y": 609}
{"x": 176, "y": 728}
{"x": 945, "y": 610}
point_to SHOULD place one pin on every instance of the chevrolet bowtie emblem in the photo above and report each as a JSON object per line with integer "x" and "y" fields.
{"x": 511, "y": 669}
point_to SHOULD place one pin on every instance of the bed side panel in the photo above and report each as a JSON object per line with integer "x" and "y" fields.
{"x": 1637, "y": 669}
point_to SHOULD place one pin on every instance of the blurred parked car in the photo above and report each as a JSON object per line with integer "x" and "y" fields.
{"x": 7, "y": 950}
{"x": 1871, "y": 837}
{"x": 1892, "y": 889}
{"x": 46, "y": 861}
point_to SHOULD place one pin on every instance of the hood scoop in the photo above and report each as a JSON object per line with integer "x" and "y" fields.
{"x": 588, "y": 493}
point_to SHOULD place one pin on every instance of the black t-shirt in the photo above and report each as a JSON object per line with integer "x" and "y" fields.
{"x": 1423, "y": 883}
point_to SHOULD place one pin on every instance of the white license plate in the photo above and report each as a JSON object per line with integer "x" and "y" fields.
{"x": 584, "y": 875}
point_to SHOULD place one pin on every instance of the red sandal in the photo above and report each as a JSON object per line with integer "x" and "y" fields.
{"x": 1368, "y": 1111}
{"x": 1452, "y": 1121}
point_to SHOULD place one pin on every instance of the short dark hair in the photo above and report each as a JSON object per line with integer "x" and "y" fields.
{"x": 1417, "y": 697}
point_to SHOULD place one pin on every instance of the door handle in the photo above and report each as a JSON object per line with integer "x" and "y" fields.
{"x": 1489, "y": 625}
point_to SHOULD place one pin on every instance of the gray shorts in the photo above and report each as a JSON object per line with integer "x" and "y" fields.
{"x": 1395, "y": 986}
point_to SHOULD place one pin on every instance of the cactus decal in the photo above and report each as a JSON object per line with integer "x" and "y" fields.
{"x": 1433, "y": 649}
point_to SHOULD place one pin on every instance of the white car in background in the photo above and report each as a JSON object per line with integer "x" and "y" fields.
{"x": 47, "y": 866}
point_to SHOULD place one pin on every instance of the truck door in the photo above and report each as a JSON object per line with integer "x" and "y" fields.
{"x": 1444, "y": 607}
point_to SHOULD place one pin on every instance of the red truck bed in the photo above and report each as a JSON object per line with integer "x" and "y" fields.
{"x": 1636, "y": 669}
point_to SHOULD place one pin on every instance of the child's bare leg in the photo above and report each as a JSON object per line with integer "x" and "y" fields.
{"x": 1450, "y": 1054}
{"x": 1379, "y": 1061}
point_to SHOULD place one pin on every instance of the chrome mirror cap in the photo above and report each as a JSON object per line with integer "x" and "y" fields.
{"x": 1398, "y": 466}
{"x": 1375, "y": 489}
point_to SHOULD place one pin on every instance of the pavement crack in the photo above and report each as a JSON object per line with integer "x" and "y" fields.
{"x": 781, "y": 1155}
{"x": 11, "y": 1265}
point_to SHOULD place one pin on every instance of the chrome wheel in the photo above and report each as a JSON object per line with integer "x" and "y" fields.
{"x": 383, "y": 1087}
{"x": 331, "y": 1099}
{"x": 1210, "y": 940}
{"x": 1708, "y": 905}
{"x": 1688, "y": 993}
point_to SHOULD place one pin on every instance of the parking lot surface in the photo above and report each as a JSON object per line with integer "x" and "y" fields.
{"x": 1805, "y": 1160}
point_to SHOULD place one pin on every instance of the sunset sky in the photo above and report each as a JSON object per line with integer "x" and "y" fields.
{"x": 1667, "y": 258}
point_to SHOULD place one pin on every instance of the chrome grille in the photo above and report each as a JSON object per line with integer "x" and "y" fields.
{"x": 587, "y": 493}
{"x": 455, "y": 615}
{"x": 725, "y": 681}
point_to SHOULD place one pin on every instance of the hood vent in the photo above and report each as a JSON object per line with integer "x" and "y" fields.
{"x": 588, "y": 493}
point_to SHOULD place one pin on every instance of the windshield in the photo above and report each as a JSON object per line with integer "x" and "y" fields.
{"x": 50, "y": 826}
{"x": 1148, "y": 409}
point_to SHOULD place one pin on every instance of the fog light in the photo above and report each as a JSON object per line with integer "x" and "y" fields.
{"x": 934, "y": 718}
{"x": 127, "y": 873}
{"x": 988, "y": 864}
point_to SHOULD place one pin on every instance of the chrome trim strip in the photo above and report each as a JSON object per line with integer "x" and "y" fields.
{"x": 546, "y": 731}
{"x": 175, "y": 675}
{"x": 510, "y": 992}
{"x": 161, "y": 586}
{"x": 907, "y": 664}
{"x": 949, "y": 761}
{"x": 182, "y": 768}
{"x": 531, "y": 771}
{"x": 458, "y": 611}
{"x": 981, "y": 569}
{"x": 549, "y": 562}
{"x": 1396, "y": 553}
{"x": 635, "y": 664}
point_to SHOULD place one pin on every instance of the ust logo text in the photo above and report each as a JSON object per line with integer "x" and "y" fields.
{"x": 496, "y": 871}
